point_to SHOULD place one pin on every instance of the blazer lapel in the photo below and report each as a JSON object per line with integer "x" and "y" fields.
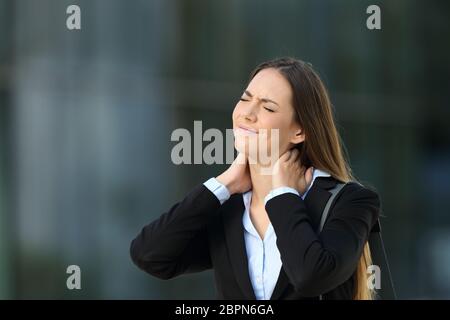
{"x": 280, "y": 286}
{"x": 315, "y": 201}
{"x": 233, "y": 211}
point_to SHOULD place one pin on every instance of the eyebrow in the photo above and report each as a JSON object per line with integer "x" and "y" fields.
{"x": 262, "y": 99}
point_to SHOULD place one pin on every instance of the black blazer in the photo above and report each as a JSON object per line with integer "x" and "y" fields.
{"x": 198, "y": 233}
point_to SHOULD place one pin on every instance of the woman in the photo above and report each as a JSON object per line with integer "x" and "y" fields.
{"x": 258, "y": 231}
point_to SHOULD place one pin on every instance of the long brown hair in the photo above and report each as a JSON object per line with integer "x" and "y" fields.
{"x": 322, "y": 147}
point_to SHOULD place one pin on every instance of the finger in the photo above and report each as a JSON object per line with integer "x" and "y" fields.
{"x": 241, "y": 158}
{"x": 294, "y": 155}
{"x": 285, "y": 156}
{"x": 309, "y": 175}
{"x": 302, "y": 169}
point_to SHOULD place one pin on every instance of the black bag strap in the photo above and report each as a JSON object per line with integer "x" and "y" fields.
{"x": 376, "y": 245}
{"x": 326, "y": 210}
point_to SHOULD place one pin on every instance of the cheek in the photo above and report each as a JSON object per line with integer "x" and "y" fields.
{"x": 235, "y": 113}
{"x": 271, "y": 120}
{"x": 279, "y": 135}
{"x": 271, "y": 124}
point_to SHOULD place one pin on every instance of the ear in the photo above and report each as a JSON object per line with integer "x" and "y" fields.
{"x": 298, "y": 137}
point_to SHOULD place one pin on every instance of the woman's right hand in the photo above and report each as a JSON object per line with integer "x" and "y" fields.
{"x": 237, "y": 177}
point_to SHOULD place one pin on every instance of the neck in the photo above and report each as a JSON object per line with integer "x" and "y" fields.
{"x": 261, "y": 182}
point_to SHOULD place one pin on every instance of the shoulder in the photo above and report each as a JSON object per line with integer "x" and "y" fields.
{"x": 357, "y": 201}
{"x": 356, "y": 191}
{"x": 352, "y": 191}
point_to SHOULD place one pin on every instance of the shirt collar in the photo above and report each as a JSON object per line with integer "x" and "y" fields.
{"x": 316, "y": 174}
{"x": 247, "y": 197}
{"x": 248, "y": 225}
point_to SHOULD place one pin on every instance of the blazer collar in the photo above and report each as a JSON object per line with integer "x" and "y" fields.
{"x": 232, "y": 211}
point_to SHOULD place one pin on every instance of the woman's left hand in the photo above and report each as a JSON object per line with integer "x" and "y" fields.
{"x": 288, "y": 172}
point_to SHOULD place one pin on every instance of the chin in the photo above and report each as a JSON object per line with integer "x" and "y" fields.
{"x": 243, "y": 147}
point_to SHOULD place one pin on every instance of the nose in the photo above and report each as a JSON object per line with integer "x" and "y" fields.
{"x": 249, "y": 113}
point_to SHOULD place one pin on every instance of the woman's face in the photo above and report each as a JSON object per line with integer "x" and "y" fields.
{"x": 266, "y": 104}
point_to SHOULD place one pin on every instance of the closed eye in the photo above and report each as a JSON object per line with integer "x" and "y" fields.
{"x": 268, "y": 109}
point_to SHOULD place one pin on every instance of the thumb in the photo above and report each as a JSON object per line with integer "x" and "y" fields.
{"x": 241, "y": 159}
{"x": 309, "y": 175}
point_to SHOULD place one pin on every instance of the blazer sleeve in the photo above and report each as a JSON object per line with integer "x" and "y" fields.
{"x": 177, "y": 242}
{"x": 317, "y": 263}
